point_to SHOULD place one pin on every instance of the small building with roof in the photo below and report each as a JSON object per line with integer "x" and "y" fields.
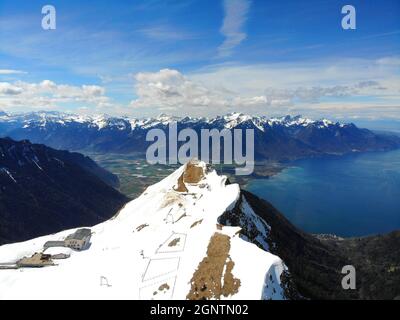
{"x": 79, "y": 240}
{"x": 38, "y": 260}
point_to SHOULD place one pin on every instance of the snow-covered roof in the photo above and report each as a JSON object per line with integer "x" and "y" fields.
{"x": 59, "y": 250}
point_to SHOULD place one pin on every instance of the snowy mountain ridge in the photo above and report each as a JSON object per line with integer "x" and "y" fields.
{"x": 231, "y": 120}
{"x": 166, "y": 244}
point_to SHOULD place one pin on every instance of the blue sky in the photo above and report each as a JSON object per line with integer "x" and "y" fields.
{"x": 202, "y": 57}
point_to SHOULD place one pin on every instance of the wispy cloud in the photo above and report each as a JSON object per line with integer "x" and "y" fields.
{"x": 236, "y": 13}
{"x": 383, "y": 34}
{"x": 10, "y": 71}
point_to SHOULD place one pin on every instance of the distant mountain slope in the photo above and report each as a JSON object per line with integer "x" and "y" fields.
{"x": 89, "y": 165}
{"x": 377, "y": 259}
{"x": 283, "y": 138}
{"x": 315, "y": 263}
{"x": 43, "y": 190}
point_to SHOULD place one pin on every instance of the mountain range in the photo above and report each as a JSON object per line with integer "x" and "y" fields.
{"x": 285, "y": 138}
{"x": 43, "y": 191}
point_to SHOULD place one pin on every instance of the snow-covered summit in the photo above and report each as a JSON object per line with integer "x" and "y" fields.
{"x": 166, "y": 244}
{"x": 235, "y": 118}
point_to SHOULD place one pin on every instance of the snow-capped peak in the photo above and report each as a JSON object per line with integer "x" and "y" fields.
{"x": 165, "y": 118}
{"x": 327, "y": 123}
{"x": 235, "y": 118}
{"x": 166, "y": 244}
{"x": 230, "y": 121}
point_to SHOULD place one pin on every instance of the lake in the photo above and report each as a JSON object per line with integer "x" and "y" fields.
{"x": 353, "y": 195}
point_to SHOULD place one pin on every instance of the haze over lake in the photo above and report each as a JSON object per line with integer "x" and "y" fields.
{"x": 353, "y": 195}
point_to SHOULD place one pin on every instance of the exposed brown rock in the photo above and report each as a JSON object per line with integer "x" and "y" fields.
{"x": 174, "y": 242}
{"x": 207, "y": 282}
{"x": 181, "y": 185}
{"x": 163, "y": 287}
{"x": 231, "y": 284}
{"x": 193, "y": 173}
{"x": 196, "y": 223}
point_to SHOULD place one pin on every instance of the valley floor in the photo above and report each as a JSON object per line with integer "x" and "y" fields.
{"x": 135, "y": 174}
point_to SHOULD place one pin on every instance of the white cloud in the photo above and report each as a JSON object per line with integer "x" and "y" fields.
{"x": 236, "y": 12}
{"x": 94, "y": 91}
{"x": 349, "y": 110}
{"x": 313, "y": 88}
{"x": 48, "y": 94}
{"x": 315, "y": 93}
{"x": 389, "y": 61}
{"x": 9, "y": 89}
{"x": 170, "y": 90}
{"x": 274, "y": 90}
{"x": 252, "y": 79}
{"x": 377, "y": 80}
{"x": 10, "y": 71}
